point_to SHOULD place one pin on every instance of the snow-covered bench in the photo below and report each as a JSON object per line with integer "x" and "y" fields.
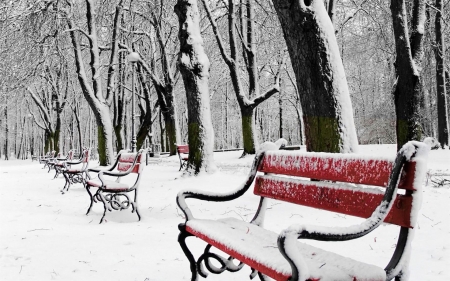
{"x": 114, "y": 193}
{"x": 343, "y": 183}
{"x": 183, "y": 154}
{"x": 47, "y": 157}
{"x": 76, "y": 171}
{"x": 58, "y": 163}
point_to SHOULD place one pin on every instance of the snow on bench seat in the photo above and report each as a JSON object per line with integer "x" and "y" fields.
{"x": 108, "y": 185}
{"x": 258, "y": 248}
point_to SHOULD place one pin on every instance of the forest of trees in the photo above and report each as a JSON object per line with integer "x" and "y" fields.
{"x": 221, "y": 74}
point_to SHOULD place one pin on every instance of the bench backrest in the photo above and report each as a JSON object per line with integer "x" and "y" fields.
{"x": 183, "y": 148}
{"x": 70, "y": 155}
{"x": 85, "y": 155}
{"x": 285, "y": 180}
{"x": 126, "y": 161}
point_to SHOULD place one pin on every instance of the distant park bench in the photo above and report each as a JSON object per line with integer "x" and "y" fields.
{"x": 47, "y": 157}
{"x": 58, "y": 163}
{"x": 183, "y": 154}
{"x": 334, "y": 185}
{"x": 114, "y": 194}
{"x": 76, "y": 171}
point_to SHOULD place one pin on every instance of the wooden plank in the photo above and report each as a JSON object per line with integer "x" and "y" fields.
{"x": 340, "y": 200}
{"x": 239, "y": 256}
{"x": 345, "y": 168}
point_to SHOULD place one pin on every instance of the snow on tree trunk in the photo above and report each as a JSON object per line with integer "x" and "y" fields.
{"x": 93, "y": 92}
{"x": 320, "y": 75}
{"x": 194, "y": 68}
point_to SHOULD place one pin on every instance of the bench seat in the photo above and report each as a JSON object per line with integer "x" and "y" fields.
{"x": 108, "y": 185}
{"x": 258, "y": 248}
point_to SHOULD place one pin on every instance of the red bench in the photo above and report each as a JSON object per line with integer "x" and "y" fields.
{"x": 58, "y": 164}
{"x": 112, "y": 193}
{"x": 183, "y": 154}
{"x": 331, "y": 186}
{"x": 76, "y": 171}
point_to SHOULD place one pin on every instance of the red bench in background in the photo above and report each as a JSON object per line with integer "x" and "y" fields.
{"x": 331, "y": 187}
{"x": 183, "y": 154}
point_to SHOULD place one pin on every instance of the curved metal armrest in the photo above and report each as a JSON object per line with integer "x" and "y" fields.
{"x": 73, "y": 162}
{"x": 356, "y": 231}
{"x": 217, "y": 197}
{"x": 113, "y": 174}
{"x": 101, "y": 169}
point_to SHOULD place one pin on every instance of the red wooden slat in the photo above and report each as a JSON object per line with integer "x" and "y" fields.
{"x": 124, "y": 166}
{"x": 183, "y": 148}
{"x": 252, "y": 263}
{"x": 326, "y": 166}
{"x": 346, "y": 201}
{"x": 127, "y": 157}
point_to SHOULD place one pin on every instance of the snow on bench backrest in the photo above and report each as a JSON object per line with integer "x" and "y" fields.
{"x": 126, "y": 161}
{"x": 85, "y": 156}
{"x": 332, "y": 196}
{"x": 183, "y": 148}
{"x": 336, "y": 167}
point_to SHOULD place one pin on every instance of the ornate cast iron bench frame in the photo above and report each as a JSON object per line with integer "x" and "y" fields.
{"x": 45, "y": 159}
{"x": 58, "y": 166}
{"x": 114, "y": 194}
{"x": 76, "y": 175}
{"x": 406, "y": 172}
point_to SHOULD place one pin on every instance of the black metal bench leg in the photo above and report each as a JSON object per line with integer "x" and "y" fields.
{"x": 135, "y": 207}
{"x": 92, "y": 199}
{"x": 104, "y": 205}
{"x": 66, "y": 186}
{"x": 182, "y": 241}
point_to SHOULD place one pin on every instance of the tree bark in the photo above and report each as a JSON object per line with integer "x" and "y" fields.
{"x": 409, "y": 89}
{"x": 6, "y": 134}
{"x": 194, "y": 68}
{"x": 93, "y": 93}
{"x": 443, "y": 126}
{"x": 320, "y": 76}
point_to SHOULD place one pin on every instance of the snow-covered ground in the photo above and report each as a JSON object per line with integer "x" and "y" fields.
{"x": 47, "y": 236}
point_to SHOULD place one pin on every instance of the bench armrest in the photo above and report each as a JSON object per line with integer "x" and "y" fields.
{"x": 356, "y": 231}
{"x": 214, "y": 196}
{"x": 290, "y": 235}
{"x": 100, "y": 169}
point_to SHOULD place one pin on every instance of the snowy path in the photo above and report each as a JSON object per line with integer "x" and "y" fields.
{"x": 47, "y": 236}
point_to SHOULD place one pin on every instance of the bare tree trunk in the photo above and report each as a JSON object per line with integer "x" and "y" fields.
{"x": 194, "y": 68}
{"x": 320, "y": 75}
{"x": 22, "y": 138}
{"x": 246, "y": 103}
{"x": 409, "y": 89}
{"x": 93, "y": 93}
{"x": 76, "y": 113}
{"x": 442, "y": 107}
{"x": 6, "y": 134}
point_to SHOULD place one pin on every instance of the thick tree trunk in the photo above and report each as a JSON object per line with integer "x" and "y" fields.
{"x": 443, "y": 126}
{"x": 320, "y": 76}
{"x": 248, "y": 130}
{"x": 194, "y": 68}
{"x": 409, "y": 89}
